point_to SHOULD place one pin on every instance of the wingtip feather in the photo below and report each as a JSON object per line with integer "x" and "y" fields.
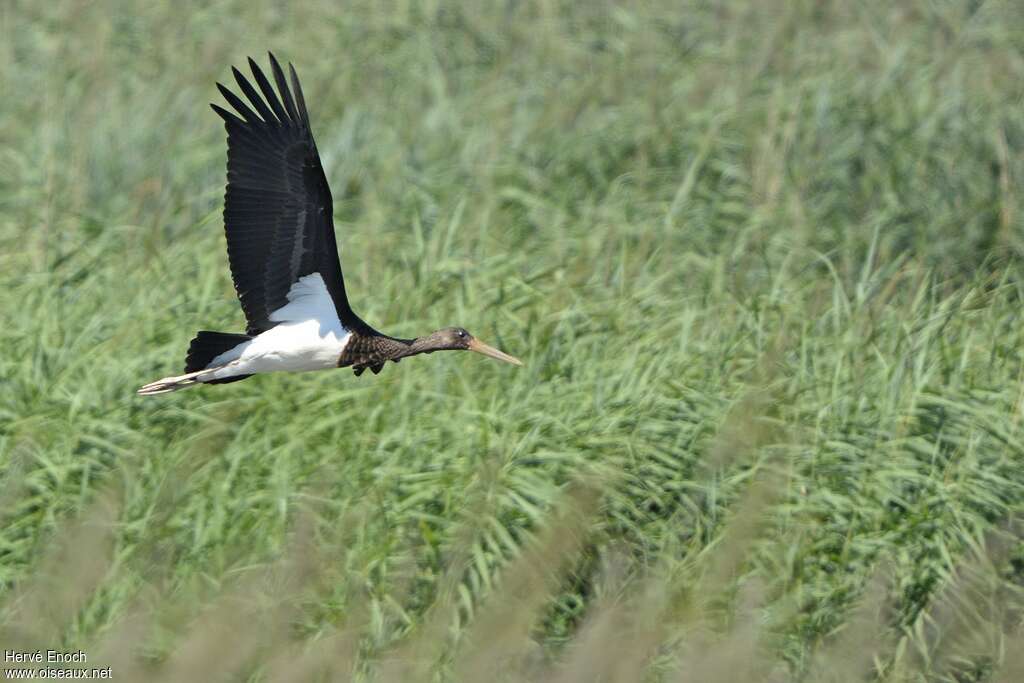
{"x": 300, "y": 99}
{"x": 264, "y": 111}
{"x": 282, "y": 86}
{"x": 241, "y": 107}
{"x": 268, "y": 91}
{"x": 229, "y": 118}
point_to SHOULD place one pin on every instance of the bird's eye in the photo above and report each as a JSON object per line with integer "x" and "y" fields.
{"x": 462, "y": 334}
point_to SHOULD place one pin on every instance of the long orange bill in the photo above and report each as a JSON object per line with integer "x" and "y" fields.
{"x": 480, "y": 347}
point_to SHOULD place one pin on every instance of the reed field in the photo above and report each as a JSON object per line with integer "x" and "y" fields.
{"x": 764, "y": 263}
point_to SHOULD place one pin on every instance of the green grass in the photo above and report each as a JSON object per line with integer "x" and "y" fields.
{"x": 763, "y": 261}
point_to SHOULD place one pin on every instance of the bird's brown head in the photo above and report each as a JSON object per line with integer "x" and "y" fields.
{"x": 458, "y": 339}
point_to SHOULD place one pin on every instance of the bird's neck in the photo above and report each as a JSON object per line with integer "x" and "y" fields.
{"x": 397, "y": 347}
{"x": 375, "y": 347}
{"x": 417, "y": 345}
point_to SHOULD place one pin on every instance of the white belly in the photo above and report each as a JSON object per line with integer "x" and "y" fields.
{"x": 308, "y": 336}
{"x": 294, "y": 347}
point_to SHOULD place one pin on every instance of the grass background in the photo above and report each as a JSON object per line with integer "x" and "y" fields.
{"x": 762, "y": 260}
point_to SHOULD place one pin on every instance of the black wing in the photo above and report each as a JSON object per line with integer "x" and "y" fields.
{"x": 277, "y": 206}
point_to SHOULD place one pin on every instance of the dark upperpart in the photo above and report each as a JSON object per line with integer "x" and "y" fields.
{"x": 373, "y": 350}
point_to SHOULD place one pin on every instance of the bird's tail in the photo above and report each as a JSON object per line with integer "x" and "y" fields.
{"x": 205, "y": 346}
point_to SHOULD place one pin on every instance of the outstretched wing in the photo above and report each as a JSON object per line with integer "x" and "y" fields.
{"x": 277, "y": 206}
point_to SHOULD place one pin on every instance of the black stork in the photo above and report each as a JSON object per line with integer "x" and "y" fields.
{"x": 283, "y": 256}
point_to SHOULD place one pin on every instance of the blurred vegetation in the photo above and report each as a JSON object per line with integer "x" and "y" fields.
{"x": 762, "y": 259}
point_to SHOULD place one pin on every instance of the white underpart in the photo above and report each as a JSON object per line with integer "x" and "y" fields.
{"x": 308, "y": 336}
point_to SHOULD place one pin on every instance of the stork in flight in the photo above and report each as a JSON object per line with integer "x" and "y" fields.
{"x": 284, "y": 260}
